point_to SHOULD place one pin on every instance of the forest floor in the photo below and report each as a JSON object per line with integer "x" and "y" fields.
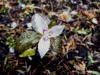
{"x": 75, "y": 52}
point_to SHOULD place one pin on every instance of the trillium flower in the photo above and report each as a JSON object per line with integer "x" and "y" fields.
{"x": 40, "y": 23}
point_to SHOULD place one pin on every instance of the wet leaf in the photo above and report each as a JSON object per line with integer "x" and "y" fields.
{"x": 29, "y": 52}
{"x": 26, "y": 40}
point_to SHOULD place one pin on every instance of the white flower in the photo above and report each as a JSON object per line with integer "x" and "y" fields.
{"x": 94, "y": 20}
{"x": 40, "y": 23}
{"x": 68, "y": 16}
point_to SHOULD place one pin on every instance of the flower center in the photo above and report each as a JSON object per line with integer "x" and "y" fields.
{"x": 44, "y": 30}
{"x": 46, "y": 34}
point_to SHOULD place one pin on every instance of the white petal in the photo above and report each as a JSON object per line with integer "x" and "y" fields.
{"x": 43, "y": 46}
{"x": 56, "y": 30}
{"x": 40, "y": 23}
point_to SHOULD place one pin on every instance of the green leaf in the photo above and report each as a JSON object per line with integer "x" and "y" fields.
{"x": 83, "y": 31}
{"x": 5, "y": 61}
{"x": 29, "y": 52}
{"x": 31, "y": 7}
{"x": 93, "y": 72}
{"x": 95, "y": 3}
{"x": 10, "y": 41}
{"x": 90, "y": 60}
{"x": 4, "y": 9}
{"x": 54, "y": 73}
{"x": 26, "y": 40}
{"x": 19, "y": 1}
{"x": 53, "y": 23}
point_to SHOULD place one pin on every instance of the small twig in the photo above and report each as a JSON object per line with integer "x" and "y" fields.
{"x": 36, "y": 7}
{"x": 51, "y": 5}
{"x": 66, "y": 67}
